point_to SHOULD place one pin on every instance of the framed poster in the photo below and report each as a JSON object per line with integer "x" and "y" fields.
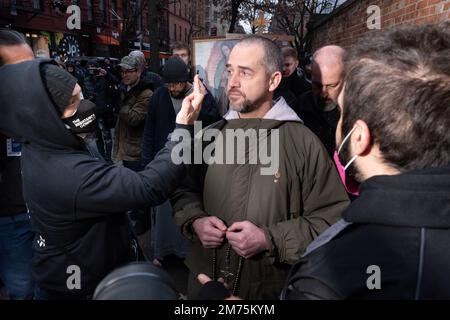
{"x": 210, "y": 56}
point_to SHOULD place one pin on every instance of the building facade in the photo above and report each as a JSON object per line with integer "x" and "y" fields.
{"x": 44, "y": 23}
{"x": 108, "y": 28}
{"x": 187, "y": 20}
{"x": 215, "y": 23}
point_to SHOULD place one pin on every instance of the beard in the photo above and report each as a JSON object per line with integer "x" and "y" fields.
{"x": 178, "y": 94}
{"x": 324, "y": 104}
{"x": 247, "y": 105}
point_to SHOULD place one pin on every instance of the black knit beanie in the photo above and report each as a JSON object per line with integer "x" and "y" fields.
{"x": 60, "y": 85}
{"x": 175, "y": 70}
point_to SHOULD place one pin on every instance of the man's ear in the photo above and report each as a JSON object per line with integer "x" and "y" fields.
{"x": 361, "y": 139}
{"x": 275, "y": 80}
{"x": 296, "y": 63}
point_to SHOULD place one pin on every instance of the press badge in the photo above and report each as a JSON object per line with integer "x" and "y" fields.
{"x": 13, "y": 148}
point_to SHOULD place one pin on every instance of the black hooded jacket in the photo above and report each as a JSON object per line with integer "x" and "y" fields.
{"x": 76, "y": 202}
{"x": 398, "y": 231}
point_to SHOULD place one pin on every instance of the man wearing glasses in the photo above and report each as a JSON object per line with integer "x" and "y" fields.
{"x": 135, "y": 95}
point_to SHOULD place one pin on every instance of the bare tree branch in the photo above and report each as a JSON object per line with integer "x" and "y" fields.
{"x": 293, "y": 16}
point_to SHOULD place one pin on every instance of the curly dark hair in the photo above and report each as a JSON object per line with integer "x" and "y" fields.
{"x": 398, "y": 82}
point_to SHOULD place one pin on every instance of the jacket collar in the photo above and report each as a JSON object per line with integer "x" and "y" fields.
{"x": 280, "y": 111}
{"x": 412, "y": 199}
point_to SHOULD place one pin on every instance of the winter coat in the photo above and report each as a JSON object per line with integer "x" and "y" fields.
{"x": 76, "y": 202}
{"x": 153, "y": 78}
{"x": 321, "y": 123}
{"x": 160, "y": 121}
{"x": 291, "y": 87}
{"x": 131, "y": 121}
{"x": 392, "y": 243}
{"x": 293, "y": 206}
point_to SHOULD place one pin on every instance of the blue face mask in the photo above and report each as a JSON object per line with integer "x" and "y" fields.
{"x": 342, "y": 144}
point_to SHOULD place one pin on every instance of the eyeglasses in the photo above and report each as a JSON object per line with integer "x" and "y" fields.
{"x": 127, "y": 71}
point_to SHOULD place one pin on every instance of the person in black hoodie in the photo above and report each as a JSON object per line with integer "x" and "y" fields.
{"x": 76, "y": 202}
{"x": 394, "y": 137}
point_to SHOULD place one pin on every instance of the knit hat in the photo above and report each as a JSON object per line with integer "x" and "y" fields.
{"x": 175, "y": 70}
{"x": 60, "y": 85}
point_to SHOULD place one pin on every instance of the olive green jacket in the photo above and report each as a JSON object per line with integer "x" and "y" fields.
{"x": 130, "y": 122}
{"x": 293, "y": 205}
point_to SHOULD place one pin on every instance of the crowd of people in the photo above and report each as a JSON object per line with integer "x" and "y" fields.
{"x": 362, "y": 179}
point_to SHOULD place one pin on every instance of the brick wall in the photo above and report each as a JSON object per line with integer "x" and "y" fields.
{"x": 349, "y": 22}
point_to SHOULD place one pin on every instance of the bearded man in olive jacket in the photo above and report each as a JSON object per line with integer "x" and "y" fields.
{"x": 247, "y": 226}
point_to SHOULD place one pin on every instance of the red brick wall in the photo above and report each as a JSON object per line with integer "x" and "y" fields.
{"x": 181, "y": 18}
{"x": 349, "y": 22}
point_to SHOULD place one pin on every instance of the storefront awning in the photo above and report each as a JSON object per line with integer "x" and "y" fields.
{"x": 103, "y": 39}
{"x": 162, "y": 55}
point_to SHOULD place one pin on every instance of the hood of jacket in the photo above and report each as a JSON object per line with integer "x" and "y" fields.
{"x": 280, "y": 111}
{"x": 413, "y": 199}
{"x": 27, "y": 110}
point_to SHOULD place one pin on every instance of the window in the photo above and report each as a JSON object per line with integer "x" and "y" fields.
{"x": 185, "y": 35}
{"x": 13, "y": 10}
{"x": 101, "y": 9}
{"x": 38, "y": 4}
{"x": 90, "y": 10}
{"x": 175, "y": 32}
{"x": 114, "y": 10}
{"x": 185, "y": 11}
{"x": 179, "y": 34}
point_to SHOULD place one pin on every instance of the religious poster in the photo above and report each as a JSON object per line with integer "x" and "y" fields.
{"x": 210, "y": 59}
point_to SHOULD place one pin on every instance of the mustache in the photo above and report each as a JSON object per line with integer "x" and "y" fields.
{"x": 231, "y": 91}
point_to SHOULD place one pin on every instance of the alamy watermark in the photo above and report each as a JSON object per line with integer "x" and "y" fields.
{"x": 374, "y": 280}
{"x": 74, "y": 279}
{"x": 228, "y": 146}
